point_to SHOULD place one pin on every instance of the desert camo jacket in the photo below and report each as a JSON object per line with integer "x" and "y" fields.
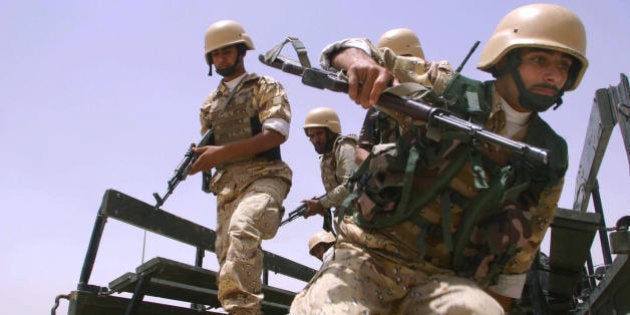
{"x": 255, "y": 97}
{"x": 336, "y": 167}
{"x": 397, "y": 243}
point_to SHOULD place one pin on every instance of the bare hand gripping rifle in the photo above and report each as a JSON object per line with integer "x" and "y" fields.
{"x": 328, "y": 80}
{"x": 301, "y": 210}
{"x": 181, "y": 172}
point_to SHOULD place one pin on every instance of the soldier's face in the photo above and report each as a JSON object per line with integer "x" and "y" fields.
{"x": 317, "y": 136}
{"x": 544, "y": 72}
{"x": 318, "y": 251}
{"x": 224, "y": 57}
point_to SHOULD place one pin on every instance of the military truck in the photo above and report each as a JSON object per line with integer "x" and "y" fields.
{"x": 566, "y": 281}
{"x": 563, "y": 282}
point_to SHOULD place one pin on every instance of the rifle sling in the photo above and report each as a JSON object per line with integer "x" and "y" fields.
{"x": 299, "y": 47}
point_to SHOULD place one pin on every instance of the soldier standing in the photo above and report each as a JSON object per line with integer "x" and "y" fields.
{"x": 323, "y": 129}
{"x": 460, "y": 236}
{"x": 250, "y": 118}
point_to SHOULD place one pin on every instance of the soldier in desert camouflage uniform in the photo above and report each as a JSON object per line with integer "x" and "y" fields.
{"x": 449, "y": 225}
{"x": 320, "y": 245}
{"x": 323, "y": 128}
{"x": 250, "y": 118}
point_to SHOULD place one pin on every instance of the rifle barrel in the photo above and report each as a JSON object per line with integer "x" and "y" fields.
{"x": 181, "y": 172}
{"x": 323, "y": 79}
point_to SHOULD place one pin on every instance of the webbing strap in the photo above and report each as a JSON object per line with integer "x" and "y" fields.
{"x": 475, "y": 210}
{"x": 359, "y": 177}
{"x": 445, "y": 204}
{"x": 419, "y": 200}
{"x": 299, "y": 47}
{"x": 497, "y": 266}
{"x": 479, "y": 175}
{"x": 408, "y": 178}
{"x": 444, "y": 178}
{"x": 424, "y": 227}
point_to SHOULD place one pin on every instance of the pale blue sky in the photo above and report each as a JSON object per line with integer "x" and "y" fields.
{"x": 105, "y": 94}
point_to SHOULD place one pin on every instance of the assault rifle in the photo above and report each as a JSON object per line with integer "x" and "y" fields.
{"x": 181, "y": 172}
{"x": 328, "y": 80}
{"x": 301, "y": 210}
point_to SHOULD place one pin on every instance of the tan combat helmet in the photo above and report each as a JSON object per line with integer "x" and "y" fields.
{"x": 225, "y": 33}
{"x": 401, "y": 41}
{"x": 322, "y": 117}
{"x": 547, "y": 26}
{"x": 320, "y": 237}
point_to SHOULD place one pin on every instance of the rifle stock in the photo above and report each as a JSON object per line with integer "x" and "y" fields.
{"x": 181, "y": 172}
{"x": 328, "y": 80}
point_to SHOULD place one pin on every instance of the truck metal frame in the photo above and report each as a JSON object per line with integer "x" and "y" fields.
{"x": 165, "y": 278}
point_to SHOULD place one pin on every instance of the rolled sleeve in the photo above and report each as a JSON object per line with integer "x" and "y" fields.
{"x": 361, "y": 43}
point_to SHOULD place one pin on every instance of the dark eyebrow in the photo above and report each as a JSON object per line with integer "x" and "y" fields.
{"x": 551, "y": 51}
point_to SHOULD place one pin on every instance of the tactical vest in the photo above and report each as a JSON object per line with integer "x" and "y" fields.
{"x": 238, "y": 120}
{"x": 395, "y": 184}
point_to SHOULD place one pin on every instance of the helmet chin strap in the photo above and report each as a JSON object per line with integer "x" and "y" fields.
{"x": 529, "y": 100}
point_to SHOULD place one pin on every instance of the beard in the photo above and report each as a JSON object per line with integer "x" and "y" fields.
{"x": 540, "y": 103}
{"x": 226, "y": 72}
{"x": 326, "y": 146}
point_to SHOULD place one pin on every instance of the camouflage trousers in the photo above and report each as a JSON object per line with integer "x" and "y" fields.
{"x": 244, "y": 220}
{"x": 354, "y": 282}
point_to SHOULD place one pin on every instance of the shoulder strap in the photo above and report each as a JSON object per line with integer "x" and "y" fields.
{"x": 468, "y": 98}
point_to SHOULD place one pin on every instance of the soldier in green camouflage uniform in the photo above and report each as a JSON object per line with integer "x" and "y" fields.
{"x": 378, "y": 127}
{"x": 323, "y": 128}
{"x": 446, "y": 225}
{"x": 250, "y": 118}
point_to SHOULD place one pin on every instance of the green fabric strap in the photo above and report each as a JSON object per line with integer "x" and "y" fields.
{"x": 408, "y": 179}
{"x": 445, "y": 204}
{"x": 487, "y": 199}
{"x": 420, "y": 199}
{"x": 354, "y": 191}
{"x": 497, "y": 266}
{"x": 423, "y": 224}
{"x": 479, "y": 175}
{"x": 443, "y": 180}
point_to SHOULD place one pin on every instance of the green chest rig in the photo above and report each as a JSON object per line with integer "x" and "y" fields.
{"x": 394, "y": 184}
